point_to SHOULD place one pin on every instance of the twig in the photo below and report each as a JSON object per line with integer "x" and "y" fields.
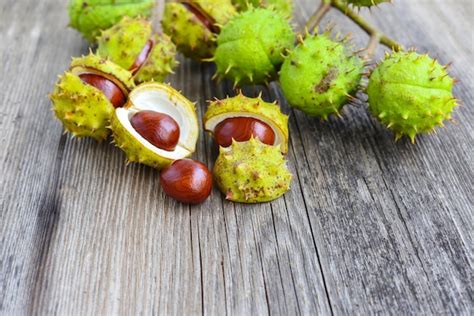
{"x": 368, "y": 28}
{"x": 370, "y": 50}
{"x": 316, "y": 18}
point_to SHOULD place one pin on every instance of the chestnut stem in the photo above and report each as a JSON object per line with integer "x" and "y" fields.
{"x": 316, "y": 18}
{"x": 368, "y": 28}
{"x": 370, "y": 50}
{"x": 157, "y": 15}
{"x": 376, "y": 35}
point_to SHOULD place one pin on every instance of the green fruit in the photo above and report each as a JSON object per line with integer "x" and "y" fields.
{"x": 285, "y": 7}
{"x": 124, "y": 42}
{"x": 91, "y": 16}
{"x": 250, "y": 47}
{"x": 251, "y": 172}
{"x": 366, "y": 3}
{"x": 411, "y": 94}
{"x": 193, "y": 25}
{"x": 83, "y": 109}
{"x": 161, "y": 98}
{"x": 319, "y": 75}
{"x": 242, "y": 106}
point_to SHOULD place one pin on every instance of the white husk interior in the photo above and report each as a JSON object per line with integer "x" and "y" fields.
{"x": 214, "y": 121}
{"x": 161, "y": 101}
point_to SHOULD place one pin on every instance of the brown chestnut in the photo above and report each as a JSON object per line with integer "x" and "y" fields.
{"x": 142, "y": 57}
{"x": 241, "y": 129}
{"x": 109, "y": 88}
{"x": 159, "y": 129}
{"x": 187, "y": 181}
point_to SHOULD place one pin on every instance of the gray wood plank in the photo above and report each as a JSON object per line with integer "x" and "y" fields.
{"x": 406, "y": 210}
{"x": 369, "y": 226}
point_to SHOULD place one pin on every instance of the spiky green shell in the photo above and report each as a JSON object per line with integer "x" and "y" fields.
{"x": 255, "y": 107}
{"x": 285, "y": 7}
{"x": 410, "y": 93}
{"x": 319, "y": 74}
{"x": 220, "y": 10}
{"x": 190, "y": 35}
{"x": 105, "y": 67}
{"x": 123, "y": 43}
{"x": 83, "y": 109}
{"x": 134, "y": 150}
{"x": 250, "y": 47}
{"x": 161, "y": 61}
{"x": 251, "y": 172}
{"x": 366, "y": 3}
{"x": 91, "y": 16}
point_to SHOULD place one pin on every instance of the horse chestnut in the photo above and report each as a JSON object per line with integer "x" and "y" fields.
{"x": 187, "y": 181}
{"x": 108, "y": 87}
{"x": 241, "y": 129}
{"x": 160, "y": 129}
{"x": 142, "y": 57}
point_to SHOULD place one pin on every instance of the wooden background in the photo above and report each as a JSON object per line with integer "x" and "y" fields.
{"x": 369, "y": 226}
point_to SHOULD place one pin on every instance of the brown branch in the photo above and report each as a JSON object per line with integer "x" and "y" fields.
{"x": 376, "y": 36}
{"x": 316, "y": 18}
{"x": 368, "y": 28}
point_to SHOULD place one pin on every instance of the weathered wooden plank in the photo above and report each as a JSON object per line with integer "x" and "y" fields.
{"x": 397, "y": 228}
{"x": 32, "y": 148}
{"x": 369, "y": 225}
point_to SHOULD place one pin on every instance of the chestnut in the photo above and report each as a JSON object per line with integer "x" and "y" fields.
{"x": 187, "y": 181}
{"x": 142, "y": 57}
{"x": 241, "y": 129}
{"x": 108, "y": 87}
{"x": 160, "y": 129}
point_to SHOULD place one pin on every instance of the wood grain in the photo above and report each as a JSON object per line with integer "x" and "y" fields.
{"x": 370, "y": 226}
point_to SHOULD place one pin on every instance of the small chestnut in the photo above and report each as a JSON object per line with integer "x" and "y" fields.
{"x": 241, "y": 129}
{"x": 160, "y": 129}
{"x": 142, "y": 57}
{"x": 187, "y": 181}
{"x": 109, "y": 88}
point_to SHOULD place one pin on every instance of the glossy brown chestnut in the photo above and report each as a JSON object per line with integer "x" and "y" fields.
{"x": 241, "y": 129}
{"x": 110, "y": 89}
{"x": 187, "y": 181}
{"x": 142, "y": 57}
{"x": 159, "y": 129}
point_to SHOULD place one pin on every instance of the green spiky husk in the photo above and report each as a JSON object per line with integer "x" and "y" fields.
{"x": 83, "y": 109}
{"x": 161, "y": 61}
{"x": 410, "y": 94}
{"x": 123, "y": 43}
{"x": 190, "y": 35}
{"x": 242, "y": 104}
{"x": 285, "y": 7}
{"x": 106, "y": 67}
{"x": 319, "y": 75}
{"x": 134, "y": 150}
{"x": 366, "y": 3}
{"x": 251, "y": 172}
{"x": 250, "y": 47}
{"x": 91, "y": 16}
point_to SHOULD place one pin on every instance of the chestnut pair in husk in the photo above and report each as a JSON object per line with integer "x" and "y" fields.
{"x": 153, "y": 123}
{"x": 253, "y": 138}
